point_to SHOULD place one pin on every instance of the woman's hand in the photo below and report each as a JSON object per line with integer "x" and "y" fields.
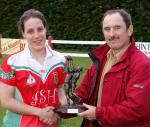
{"x": 48, "y": 116}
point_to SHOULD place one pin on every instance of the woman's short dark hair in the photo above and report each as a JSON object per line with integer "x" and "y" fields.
{"x": 29, "y": 14}
{"x": 124, "y": 14}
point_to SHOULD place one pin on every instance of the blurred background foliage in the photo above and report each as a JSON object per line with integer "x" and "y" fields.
{"x": 74, "y": 19}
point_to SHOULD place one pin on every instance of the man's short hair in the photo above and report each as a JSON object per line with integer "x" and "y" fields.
{"x": 124, "y": 14}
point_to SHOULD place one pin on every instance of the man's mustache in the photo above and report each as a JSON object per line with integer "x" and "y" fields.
{"x": 113, "y": 38}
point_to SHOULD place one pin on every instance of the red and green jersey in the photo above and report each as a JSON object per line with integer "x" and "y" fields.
{"x": 36, "y": 84}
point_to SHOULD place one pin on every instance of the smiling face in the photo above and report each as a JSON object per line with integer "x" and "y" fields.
{"x": 116, "y": 34}
{"x": 35, "y": 34}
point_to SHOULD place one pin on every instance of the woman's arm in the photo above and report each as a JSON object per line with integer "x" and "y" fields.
{"x": 9, "y": 102}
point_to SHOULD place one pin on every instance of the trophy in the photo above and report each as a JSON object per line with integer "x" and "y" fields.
{"x": 73, "y": 102}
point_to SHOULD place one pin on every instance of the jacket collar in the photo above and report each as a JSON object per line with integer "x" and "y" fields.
{"x": 101, "y": 51}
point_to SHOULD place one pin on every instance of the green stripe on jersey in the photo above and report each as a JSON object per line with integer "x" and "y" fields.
{"x": 54, "y": 66}
{"x": 25, "y": 68}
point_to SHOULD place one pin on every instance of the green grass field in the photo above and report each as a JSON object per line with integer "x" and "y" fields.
{"x": 72, "y": 122}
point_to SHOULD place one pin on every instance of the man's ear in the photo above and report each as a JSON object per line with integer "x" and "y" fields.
{"x": 130, "y": 30}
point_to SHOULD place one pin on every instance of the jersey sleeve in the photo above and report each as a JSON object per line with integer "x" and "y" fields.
{"x": 7, "y": 73}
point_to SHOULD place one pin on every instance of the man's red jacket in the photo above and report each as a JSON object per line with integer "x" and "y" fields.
{"x": 126, "y": 89}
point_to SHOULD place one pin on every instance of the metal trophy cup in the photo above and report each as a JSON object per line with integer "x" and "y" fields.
{"x": 73, "y": 102}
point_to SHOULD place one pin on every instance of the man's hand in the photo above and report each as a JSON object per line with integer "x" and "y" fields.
{"x": 48, "y": 116}
{"x": 90, "y": 113}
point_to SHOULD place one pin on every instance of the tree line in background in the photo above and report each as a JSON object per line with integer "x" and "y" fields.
{"x": 75, "y": 19}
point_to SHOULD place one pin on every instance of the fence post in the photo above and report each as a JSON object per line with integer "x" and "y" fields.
{"x": 22, "y": 45}
{"x": 50, "y": 38}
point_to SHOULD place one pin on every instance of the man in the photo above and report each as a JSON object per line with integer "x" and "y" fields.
{"x": 116, "y": 87}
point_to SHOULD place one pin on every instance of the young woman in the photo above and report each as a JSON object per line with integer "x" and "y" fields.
{"x": 31, "y": 79}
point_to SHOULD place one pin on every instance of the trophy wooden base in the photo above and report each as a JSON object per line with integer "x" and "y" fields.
{"x": 70, "y": 109}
